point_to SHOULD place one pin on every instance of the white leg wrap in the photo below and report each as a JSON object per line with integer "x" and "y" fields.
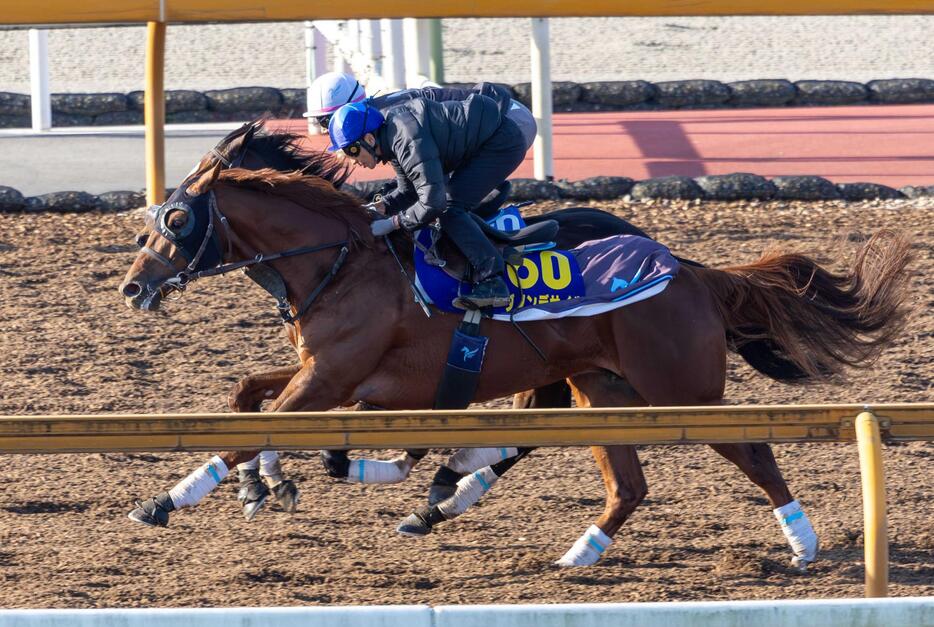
{"x": 196, "y": 486}
{"x": 376, "y": 471}
{"x": 799, "y": 533}
{"x": 588, "y": 548}
{"x": 269, "y": 468}
{"x": 469, "y": 490}
{"x": 253, "y": 464}
{"x": 470, "y": 459}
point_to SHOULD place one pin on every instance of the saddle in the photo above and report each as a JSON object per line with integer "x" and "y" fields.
{"x": 510, "y": 242}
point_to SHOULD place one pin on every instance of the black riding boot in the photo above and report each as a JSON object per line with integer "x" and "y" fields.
{"x": 490, "y": 289}
{"x": 490, "y": 292}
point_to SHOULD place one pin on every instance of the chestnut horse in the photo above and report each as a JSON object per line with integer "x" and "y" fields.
{"x": 667, "y": 350}
{"x": 253, "y": 147}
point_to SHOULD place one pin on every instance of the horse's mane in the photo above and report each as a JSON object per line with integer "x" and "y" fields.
{"x": 308, "y": 191}
{"x": 283, "y": 151}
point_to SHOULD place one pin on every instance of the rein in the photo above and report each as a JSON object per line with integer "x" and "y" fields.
{"x": 269, "y": 279}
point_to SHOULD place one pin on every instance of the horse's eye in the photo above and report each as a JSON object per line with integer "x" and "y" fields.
{"x": 177, "y": 220}
{"x": 141, "y": 239}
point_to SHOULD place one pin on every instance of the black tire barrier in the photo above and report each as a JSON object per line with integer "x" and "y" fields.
{"x": 244, "y": 103}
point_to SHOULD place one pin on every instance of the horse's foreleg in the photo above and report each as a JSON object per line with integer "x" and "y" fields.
{"x": 247, "y": 395}
{"x": 263, "y": 473}
{"x": 190, "y": 490}
{"x": 460, "y": 465}
{"x": 758, "y": 463}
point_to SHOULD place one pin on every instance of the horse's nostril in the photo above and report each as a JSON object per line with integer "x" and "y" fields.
{"x": 131, "y": 289}
{"x": 141, "y": 240}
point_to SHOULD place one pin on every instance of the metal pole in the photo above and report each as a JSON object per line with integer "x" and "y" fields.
{"x": 394, "y": 67}
{"x": 436, "y": 59}
{"x": 541, "y": 99}
{"x": 154, "y": 107}
{"x": 875, "y": 533}
{"x": 39, "y": 79}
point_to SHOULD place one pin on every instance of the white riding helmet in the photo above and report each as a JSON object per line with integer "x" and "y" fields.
{"x": 329, "y": 92}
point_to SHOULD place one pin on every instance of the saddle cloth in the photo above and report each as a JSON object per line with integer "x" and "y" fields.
{"x": 591, "y": 279}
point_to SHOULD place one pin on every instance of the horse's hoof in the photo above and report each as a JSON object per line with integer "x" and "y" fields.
{"x": 800, "y": 565}
{"x": 286, "y": 494}
{"x": 251, "y": 508}
{"x": 253, "y": 493}
{"x": 801, "y": 562}
{"x": 336, "y": 463}
{"x": 153, "y": 512}
{"x": 413, "y": 526}
{"x": 438, "y": 493}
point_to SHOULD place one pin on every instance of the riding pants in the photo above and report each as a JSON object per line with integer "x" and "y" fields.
{"x": 497, "y": 158}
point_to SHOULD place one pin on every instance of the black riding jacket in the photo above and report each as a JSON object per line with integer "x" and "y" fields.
{"x": 498, "y": 93}
{"x": 425, "y": 141}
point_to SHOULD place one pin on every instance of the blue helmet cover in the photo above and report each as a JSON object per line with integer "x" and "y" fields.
{"x": 351, "y": 122}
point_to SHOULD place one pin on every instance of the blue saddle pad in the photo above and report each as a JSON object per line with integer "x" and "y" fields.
{"x": 593, "y": 278}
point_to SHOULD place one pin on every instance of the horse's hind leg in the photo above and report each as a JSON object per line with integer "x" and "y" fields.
{"x": 339, "y": 465}
{"x": 453, "y": 494}
{"x": 758, "y": 463}
{"x": 622, "y": 474}
{"x": 468, "y": 460}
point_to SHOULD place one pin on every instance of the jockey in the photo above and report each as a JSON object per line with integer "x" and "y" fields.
{"x": 328, "y": 93}
{"x": 447, "y": 157}
{"x": 332, "y": 90}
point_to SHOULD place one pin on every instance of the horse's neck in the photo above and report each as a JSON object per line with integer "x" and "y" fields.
{"x": 282, "y": 225}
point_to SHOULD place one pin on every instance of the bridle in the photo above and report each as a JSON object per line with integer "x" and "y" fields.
{"x": 207, "y": 258}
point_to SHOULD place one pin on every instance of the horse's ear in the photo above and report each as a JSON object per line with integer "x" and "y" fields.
{"x": 205, "y": 181}
{"x": 255, "y": 126}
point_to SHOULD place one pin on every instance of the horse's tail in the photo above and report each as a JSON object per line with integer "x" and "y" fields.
{"x": 814, "y": 321}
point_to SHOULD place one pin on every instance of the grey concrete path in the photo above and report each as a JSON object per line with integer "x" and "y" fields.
{"x": 87, "y": 160}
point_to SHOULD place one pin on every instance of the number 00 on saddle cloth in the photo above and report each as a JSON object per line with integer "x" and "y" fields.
{"x": 593, "y": 278}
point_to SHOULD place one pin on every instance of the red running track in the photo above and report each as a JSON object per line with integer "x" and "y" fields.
{"x": 892, "y": 145}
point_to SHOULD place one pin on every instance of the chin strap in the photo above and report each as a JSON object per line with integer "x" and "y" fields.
{"x": 369, "y": 148}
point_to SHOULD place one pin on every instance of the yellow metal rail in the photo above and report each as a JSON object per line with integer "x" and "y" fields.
{"x": 479, "y": 427}
{"x": 868, "y": 425}
{"x": 138, "y": 11}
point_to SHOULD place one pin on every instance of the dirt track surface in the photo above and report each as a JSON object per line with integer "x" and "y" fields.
{"x": 69, "y": 345}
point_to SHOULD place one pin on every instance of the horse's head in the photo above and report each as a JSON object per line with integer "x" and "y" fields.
{"x": 181, "y": 237}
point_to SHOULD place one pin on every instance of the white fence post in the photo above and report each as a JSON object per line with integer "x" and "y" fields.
{"x": 372, "y": 45}
{"x": 417, "y": 49}
{"x": 541, "y": 99}
{"x": 39, "y": 79}
{"x": 316, "y": 60}
{"x": 394, "y": 57}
